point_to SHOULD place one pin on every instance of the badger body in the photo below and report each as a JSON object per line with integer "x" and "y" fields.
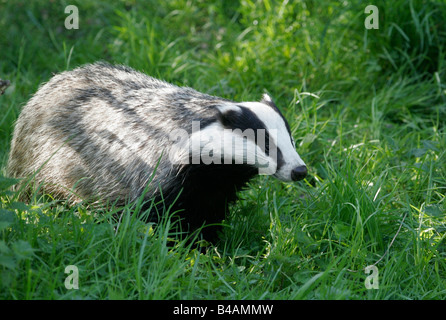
{"x": 102, "y": 133}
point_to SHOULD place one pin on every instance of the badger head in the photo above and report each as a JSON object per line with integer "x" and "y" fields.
{"x": 250, "y": 133}
{"x": 275, "y": 149}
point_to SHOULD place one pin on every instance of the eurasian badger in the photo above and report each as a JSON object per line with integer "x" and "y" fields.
{"x": 99, "y": 131}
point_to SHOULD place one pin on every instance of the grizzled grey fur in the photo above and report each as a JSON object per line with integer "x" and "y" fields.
{"x": 99, "y": 131}
{"x": 72, "y": 143}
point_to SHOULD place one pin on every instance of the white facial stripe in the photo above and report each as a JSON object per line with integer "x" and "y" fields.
{"x": 228, "y": 146}
{"x": 273, "y": 120}
{"x": 228, "y": 107}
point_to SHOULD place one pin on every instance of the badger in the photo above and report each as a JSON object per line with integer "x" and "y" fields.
{"x": 104, "y": 132}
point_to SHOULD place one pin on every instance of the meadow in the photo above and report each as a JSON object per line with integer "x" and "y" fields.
{"x": 367, "y": 109}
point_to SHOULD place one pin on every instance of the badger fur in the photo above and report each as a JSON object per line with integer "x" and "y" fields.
{"x": 102, "y": 132}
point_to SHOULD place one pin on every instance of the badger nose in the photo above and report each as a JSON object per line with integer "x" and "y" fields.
{"x": 299, "y": 173}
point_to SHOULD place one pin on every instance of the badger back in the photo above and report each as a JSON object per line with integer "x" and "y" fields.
{"x": 99, "y": 129}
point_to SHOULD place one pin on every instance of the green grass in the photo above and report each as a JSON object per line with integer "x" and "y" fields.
{"x": 367, "y": 109}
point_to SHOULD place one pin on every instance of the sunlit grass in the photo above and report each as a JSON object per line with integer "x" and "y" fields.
{"x": 366, "y": 108}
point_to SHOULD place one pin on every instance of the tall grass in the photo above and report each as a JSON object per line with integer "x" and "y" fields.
{"x": 366, "y": 108}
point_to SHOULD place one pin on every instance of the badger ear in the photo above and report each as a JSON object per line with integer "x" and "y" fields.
{"x": 266, "y": 99}
{"x": 228, "y": 115}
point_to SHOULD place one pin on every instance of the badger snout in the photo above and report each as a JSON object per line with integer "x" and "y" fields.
{"x": 299, "y": 173}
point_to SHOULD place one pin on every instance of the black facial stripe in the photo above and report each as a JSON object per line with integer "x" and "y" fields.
{"x": 280, "y": 160}
{"x": 246, "y": 119}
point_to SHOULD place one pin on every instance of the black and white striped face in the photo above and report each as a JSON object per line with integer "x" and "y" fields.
{"x": 252, "y": 133}
{"x": 290, "y": 166}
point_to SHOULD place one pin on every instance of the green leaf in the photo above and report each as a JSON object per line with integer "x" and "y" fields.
{"x": 342, "y": 230}
{"x": 22, "y": 249}
{"x": 6, "y": 277}
{"x": 7, "y": 215}
{"x": 4, "y": 225}
{"x": 6, "y": 183}
{"x": 7, "y": 261}
{"x": 434, "y": 210}
{"x": 417, "y": 152}
{"x": 302, "y": 238}
{"x": 430, "y": 145}
{"x": 4, "y": 247}
{"x": 308, "y": 139}
{"x": 20, "y": 206}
